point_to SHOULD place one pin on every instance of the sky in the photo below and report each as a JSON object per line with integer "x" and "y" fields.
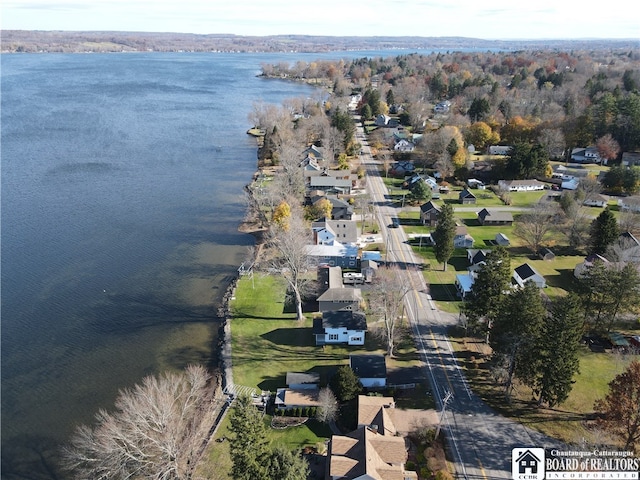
{"x": 487, "y": 19}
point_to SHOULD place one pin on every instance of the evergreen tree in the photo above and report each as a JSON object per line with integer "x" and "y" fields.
{"x": 248, "y": 443}
{"x": 283, "y": 464}
{"x": 604, "y": 231}
{"x": 391, "y": 100}
{"x": 345, "y": 384}
{"x": 489, "y": 288}
{"x": 443, "y": 235}
{"x": 558, "y": 350}
{"x": 421, "y": 192}
{"x": 515, "y": 334}
{"x": 479, "y": 109}
{"x": 344, "y": 123}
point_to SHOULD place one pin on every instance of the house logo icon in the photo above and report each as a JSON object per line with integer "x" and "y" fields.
{"x": 527, "y": 463}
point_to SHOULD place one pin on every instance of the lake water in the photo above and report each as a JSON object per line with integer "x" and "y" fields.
{"x": 122, "y": 192}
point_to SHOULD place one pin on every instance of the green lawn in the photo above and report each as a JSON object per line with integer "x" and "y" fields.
{"x": 565, "y": 422}
{"x": 267, "y": 343}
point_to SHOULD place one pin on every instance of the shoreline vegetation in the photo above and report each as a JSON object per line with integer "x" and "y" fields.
{"x": 29, "y": 41}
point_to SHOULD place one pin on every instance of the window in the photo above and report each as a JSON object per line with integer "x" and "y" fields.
{"x": 333, "y": 336}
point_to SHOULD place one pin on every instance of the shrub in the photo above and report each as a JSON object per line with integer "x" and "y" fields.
{"x": 443, "y": 475}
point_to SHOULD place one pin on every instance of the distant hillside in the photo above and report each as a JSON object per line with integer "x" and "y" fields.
{"x": 59, "y": 41}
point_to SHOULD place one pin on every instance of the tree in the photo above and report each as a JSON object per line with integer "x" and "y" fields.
{"x": 328, "y": 406}
{"x": 489, "y": 288}
{"x": 250, "y": 452}
{"x": 619, "y": 412}
{"x": 443, "y": 235}
{"x": 344, "y": 123}
{"x": 345, "y": 384}
{"x": 248, "y": 442}
{"x": 386, "y": 301}
{"x": 534, "y": 225}
{"x": 558, "y": 348}
{"x": 608, "y": 147}
{"x": 286, "y": 465}
{"x": 479, "y": 109}
{"x": 526, "y": 161}
{"x": 157, "y": 430}
{"x": 604, "y": 231}
{"x": 281, "y": 215}
{"x": 421, "y": 192}
{"x": 621, "y": 179}
{"x": 516, "y": 340}
{"x": 292, "y": 258}
{"x": 480, "y": 135}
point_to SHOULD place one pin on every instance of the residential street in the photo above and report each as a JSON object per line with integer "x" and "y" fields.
{"x": 480, "y": 439}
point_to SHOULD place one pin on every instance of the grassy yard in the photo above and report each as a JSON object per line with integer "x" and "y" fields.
{"x": 567, "y": 421}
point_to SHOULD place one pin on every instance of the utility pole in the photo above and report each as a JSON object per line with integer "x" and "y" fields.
{"x": 447, "y": 398}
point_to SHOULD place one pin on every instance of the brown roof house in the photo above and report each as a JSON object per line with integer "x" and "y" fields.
{"x": 373, "y": 451}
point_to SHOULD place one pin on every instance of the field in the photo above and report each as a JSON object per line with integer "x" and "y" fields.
{"x": 565, "y": 422}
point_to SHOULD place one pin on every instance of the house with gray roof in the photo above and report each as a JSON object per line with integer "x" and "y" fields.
{"x": 371, "y": 370}
{"x": 340, "y": 327}
{"x": 340, "y": 299}
{"x": 494, "y": 217}
{"x": 429, "y": 213}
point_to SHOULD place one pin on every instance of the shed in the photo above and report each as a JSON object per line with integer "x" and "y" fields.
{"x": 546, "y": 254}
{"x": 502, "y": 239}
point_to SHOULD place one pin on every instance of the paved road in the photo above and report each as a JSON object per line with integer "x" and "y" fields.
{"x": 480, "y": 440}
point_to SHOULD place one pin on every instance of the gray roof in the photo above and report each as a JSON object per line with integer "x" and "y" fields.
{"x": 495, "y": 215}
{"x": 344, "y": 318}
{"x": 341, "y": 295}
{"x": 368, "y": 366}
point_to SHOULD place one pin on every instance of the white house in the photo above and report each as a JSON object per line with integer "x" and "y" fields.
{"x": 404, "y": 145}
{"x": 585, "y": 155}
{"x": 340, "y": 327}
{"x": 521, "y": 185}
{"x": 462, "y": 239}
{"x": 526, "y": 273}
{"x": 499, "y": 149}
{"x": 630, "y": 204}
{"x": 595, "y": 200}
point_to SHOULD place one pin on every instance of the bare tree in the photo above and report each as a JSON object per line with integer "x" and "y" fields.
{"x": 533, "y": 226}
{"x": 158, "y": 430}
{"x": 292, "y": 258}
{"x": 328, "y": 406}
{"x": 386, "y": 301}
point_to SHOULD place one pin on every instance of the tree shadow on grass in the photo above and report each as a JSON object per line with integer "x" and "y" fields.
{"x": 294, "y": 337}
{"x": 565, "y": 279}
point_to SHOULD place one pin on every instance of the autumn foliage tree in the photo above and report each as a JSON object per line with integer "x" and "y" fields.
{"x": 619, "y": 411}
